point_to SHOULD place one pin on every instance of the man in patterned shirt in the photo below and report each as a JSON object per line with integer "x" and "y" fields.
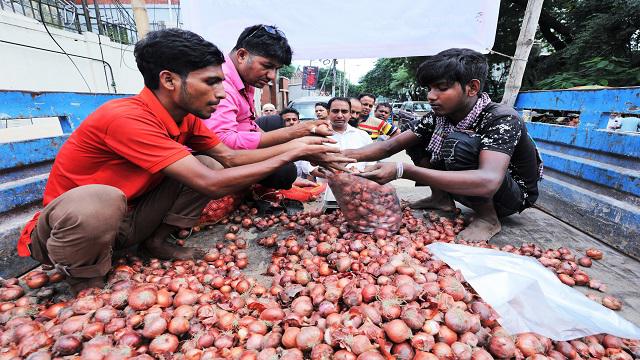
{"x": 468, "y": 148}
{"x": 371, "y": 124}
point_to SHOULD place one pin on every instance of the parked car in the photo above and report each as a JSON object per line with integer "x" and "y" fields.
{"x": 306, "y": 106}
{"x": 410, "y": 110}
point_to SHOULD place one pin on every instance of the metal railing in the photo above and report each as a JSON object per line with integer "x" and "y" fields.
{"x": 112, "y": 20}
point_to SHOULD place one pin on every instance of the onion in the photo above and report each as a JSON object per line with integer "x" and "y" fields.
{"x": 594, "y": 253}
{"x": 447, "y": 335}
{"x": 529, "y": 344}
{"x": 291, "y": 354}
{"x": 442, "y": 351}
{"x": 271, "y": 339}
{"x": 344, "y": 355}
{"x": 289, "y": 337}
{"x": 461, "y": 351}
{"x": 422, "y": 341}
{"x": 502, "y": 346}
{"x": 142, "y": 298}
{"x": 360, "y": 344}
{"x": 308, "y": 337}
{"x": 87, "y": 304}
{"x": 397, "y": 331}
{"x": 421, "y": 355}
{"x": 67, "y": 345}
{"x": 91, "y": 330}
{"x": 184, "y": 297}
{"x": 272, "y": 314}
{"x": 178, "y": 325}
{"x": 481, "y": 354}
{"x": 613, "y": 342}
{"x": 164, "y": 344}
{"x": 371, "y": 355}
{"x": 36, "y": 279}
{"x": 11, "y": 293}
{"x": 154, "y": 326}
{"x": 404, "y": 351}
{"x": 457, "y": 320}
{"x": 611, "y": 302}
{"x": 302, "y": 306}
{"x": 566, "y": 349}
{"x": 322, "y": 352}
{"x": 73, "y": 324}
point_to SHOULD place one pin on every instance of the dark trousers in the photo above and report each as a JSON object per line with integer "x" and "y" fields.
{"x": 461, "y": 151}
{"x": 284, "y": 177}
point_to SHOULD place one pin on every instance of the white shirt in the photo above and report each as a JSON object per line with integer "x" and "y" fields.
{"x": 351, "y": 138}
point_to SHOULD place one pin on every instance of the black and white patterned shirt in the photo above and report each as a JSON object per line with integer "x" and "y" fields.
{"x": 501, "y": 129}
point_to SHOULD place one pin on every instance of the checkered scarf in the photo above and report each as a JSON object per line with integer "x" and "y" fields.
{"x": 444, "y": 127}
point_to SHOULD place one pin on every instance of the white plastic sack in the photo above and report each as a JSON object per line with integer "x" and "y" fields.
{"x": 530, "y": 298}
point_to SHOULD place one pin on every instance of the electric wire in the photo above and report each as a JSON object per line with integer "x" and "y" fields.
{"x": 54, "y": 40}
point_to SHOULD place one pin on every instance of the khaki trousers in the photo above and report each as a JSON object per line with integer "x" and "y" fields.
{"x": 78, "y": 231}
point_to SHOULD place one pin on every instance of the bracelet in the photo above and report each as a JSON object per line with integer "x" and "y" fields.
{"x": 399, "y": 169}
{"x": 313, "y": 129}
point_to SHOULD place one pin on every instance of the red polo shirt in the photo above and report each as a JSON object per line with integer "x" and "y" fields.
{"x": 125, "y": 143}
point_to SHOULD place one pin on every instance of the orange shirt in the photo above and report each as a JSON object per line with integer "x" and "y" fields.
{"x": 125, "y": 143}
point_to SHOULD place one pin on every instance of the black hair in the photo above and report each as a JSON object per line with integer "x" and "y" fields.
{"x": 453, "y": 65}
{"x": 384, "y": 104}
{"x": 290, "y": 111}
{"x": 339, "y": 98}
{"x": 366, "y": 95}
{"x": 176, "y": 50}
{"x": 323, "y": 104}
{"x": 258, "y": 41}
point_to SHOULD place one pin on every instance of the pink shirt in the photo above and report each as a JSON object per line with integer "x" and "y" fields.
{"x": 233, "y": 120}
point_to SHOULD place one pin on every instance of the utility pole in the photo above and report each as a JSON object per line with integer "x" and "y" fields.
{"x": 333, "y": 83}
{"x": 523, "y": 48}
{"x": 141, "y": 17}
{"x": 344, "y": 77}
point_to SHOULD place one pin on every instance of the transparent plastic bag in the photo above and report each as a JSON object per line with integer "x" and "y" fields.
{"x": 530, "y": 298}
{"x": 366, "y": 205}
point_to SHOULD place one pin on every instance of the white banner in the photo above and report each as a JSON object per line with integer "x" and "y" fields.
{"x": 351, "y": 28}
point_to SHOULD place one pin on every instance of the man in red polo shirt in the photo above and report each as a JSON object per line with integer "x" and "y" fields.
{"x": 126, "y": 176}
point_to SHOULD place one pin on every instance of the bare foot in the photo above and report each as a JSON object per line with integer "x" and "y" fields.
{"x": 165, "y": 250}
{"x": 434, "y": 203}
{"x": 480, "y": 229}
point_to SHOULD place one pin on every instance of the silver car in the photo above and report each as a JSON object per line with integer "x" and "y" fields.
{"x": 306, "y": 106}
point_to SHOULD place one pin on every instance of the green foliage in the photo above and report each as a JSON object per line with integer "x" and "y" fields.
{"x": 287, "y": 71}
{"x": 596, "y": 71}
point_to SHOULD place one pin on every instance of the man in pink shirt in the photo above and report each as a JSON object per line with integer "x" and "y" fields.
{"x": 253, "y": 63}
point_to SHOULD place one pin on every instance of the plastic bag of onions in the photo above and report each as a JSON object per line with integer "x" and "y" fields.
{"x": 366, "y": 205}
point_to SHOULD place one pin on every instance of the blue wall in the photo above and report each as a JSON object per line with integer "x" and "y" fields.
{"x": 593, "y": 174}
{"x": 23, "y": 170}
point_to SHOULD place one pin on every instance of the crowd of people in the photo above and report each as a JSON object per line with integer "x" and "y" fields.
{"x": 138, "y": 168}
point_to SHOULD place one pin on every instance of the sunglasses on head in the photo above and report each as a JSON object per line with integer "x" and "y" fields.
{"x": 269, "y": 29}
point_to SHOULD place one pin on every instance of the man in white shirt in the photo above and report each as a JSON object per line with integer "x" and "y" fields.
{"x": 345, "y": 135}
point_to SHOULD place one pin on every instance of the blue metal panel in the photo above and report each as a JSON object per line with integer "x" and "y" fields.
{"x": 23, "y": 178}
{"x": 20, "y": 192}
{"x": 622, "y": 144}
{"x": 23, "y": 153}
{"x": 600, "y": 169}
{"x": 24, "y": 104}
{"x": 615, "y": 177}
